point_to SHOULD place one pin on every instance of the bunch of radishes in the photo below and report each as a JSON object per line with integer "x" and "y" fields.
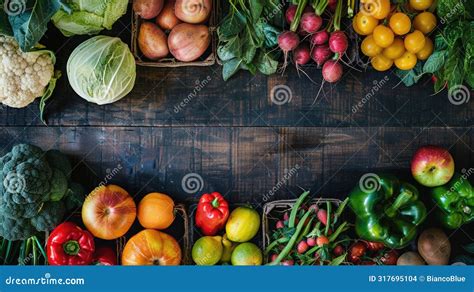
{"x": 309, "y": 40}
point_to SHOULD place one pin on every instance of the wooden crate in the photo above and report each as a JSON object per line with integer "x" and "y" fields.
{"x": 207, "y": 59}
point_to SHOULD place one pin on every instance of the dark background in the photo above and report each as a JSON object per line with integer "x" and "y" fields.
{"x": 234, "y": 137}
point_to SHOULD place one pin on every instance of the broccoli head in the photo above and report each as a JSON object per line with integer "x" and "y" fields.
{"x": 33, "y": 188}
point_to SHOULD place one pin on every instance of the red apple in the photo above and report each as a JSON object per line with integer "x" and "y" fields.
{"x": 432, "y": 166}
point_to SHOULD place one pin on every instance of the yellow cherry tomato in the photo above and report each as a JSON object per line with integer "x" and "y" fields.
{"x": 406, "y": 62}
{"x": 395, "y": 50}
{"x": 369, "y": 47}
{"x": 376, "y": 8}
{"x": 425, "y": 22}
{"x": 354, "y": 25}
{"x": 383, "y": 36}
{"x": 415, "y": 41}
{"x": 365, "y": 23}
{"x": 426, "y": 51}
{"x": 400, "y": 23}
{"x": 381, "y": 63}
{"x": 421, "y": 4}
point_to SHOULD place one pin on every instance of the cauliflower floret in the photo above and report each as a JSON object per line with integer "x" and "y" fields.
{"x": 24, "y": 76}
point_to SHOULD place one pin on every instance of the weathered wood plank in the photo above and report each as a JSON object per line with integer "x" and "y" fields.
{"x": 251, "y": 164}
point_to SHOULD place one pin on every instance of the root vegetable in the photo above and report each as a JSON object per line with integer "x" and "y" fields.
{"x": 319, "y": 38}
{"x": 148, "y": 9}
{"x": 302, "y": 55}
{"x": 320, "y": 55}
{"x": 193, "y": 11}
{"x": 338, "y": 42}
{"x": 434, "y": 246}
{"x": 187, "y": 42}
{"x": 288, "y": 41}
{"x": 302, "y": 247}
{"x": 410, "y": 258}
{"x": 290, "y": 13}
{"x": 310, "y": 22}
{"x": 152, "y": 41}
{"x": 311, "y": 241}
{"x": 167, "y": 20}
{"x": 332, "y": 71}
{"x": 280, "y": 224}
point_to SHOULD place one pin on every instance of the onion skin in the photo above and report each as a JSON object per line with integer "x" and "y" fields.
{"x": 187, "y": 42}
{"x": 167, "y": 19}
{"x": 193, "y": 11}
{"x": 152, "y": 41}
{"x": 148, "y": 9}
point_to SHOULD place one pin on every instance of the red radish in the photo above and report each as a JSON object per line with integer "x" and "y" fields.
{"x": 322, "y": 240}
{"x": 273, "y": 257}
{"x": 323, "y": 216}
{"x": 288, "y": 41}
{"x": 280, "y": 224}
{"x": 332, "y": 5}
{"x": 314, "y": 207}
{"x": 288, "y": 262}
{"x": 338, "y": 250}
{"x": 302, "y": 247}
{"x": 310, "y": 22}
{"x": 286, "y": 216}
{"x": 320, "y": 54}
{"x": 302, "y": 54}
{"x": 290, "y": 13}
{"x": 311, "y": 241}
{"x": 332, "y": 71}
{"x": 319, "y": 38}
{"x": 338, "y": 42}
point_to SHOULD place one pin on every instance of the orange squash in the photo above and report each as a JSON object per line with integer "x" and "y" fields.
{"x": 156, "y": 211}
{"x": 108, "y": 212}
{"x": 151, "y": 247}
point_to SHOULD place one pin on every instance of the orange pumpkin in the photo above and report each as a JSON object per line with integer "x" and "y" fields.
{"x": 151, "y": 247}
{"x": 108, "y": 212}
{"x": 156, "y": 211}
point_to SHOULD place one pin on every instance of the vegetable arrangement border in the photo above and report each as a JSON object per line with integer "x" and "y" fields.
{"x": 170, "y": 62}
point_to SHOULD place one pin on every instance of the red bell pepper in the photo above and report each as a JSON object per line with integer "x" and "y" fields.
{"x": 212, "y": 213}
{"x": 104, "y": 256}
{"x": 68, "y": 244}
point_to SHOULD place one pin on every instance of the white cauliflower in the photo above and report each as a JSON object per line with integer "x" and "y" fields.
{"x": 23, "y": 76}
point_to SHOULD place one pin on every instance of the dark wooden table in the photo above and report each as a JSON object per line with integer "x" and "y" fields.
{"x": 233, "y": 137}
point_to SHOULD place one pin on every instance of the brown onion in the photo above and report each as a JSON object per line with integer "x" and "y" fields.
{"x": 148, "y": 9}
{"x": 152, "y": 41}
{"x": 193, "y": 11}
{"x": 187, "y": 42}
{"x": 167, "y": 19}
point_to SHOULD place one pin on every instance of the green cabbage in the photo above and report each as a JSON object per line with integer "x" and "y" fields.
{"x": 88, "y": 16}
{"x": 102, "y": 70}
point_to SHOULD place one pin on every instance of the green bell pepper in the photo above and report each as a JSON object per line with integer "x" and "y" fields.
{"x": 387, "y": 211}
{"x": 455, "y": 202}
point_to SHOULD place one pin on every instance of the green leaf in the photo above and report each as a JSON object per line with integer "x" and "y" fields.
{"x": 232, "y": 49}
{"x": 454, "y": 65}
{"x": 410, "y": 77}
{"x": 231, "y": 26}
{"x": 230, "y": 68}
{"x": 271, "y": 34}
{"x": 265, "y": 63}
{"x": 339, "y": 260}
{"x": 434, "y": 62}
{"x": 440, "y": 43}
{"x": 5, "y": 27}
{"x": 256, "y": 8}
{"x": 47, "y": 94}
{"x": 29, "y": 27}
